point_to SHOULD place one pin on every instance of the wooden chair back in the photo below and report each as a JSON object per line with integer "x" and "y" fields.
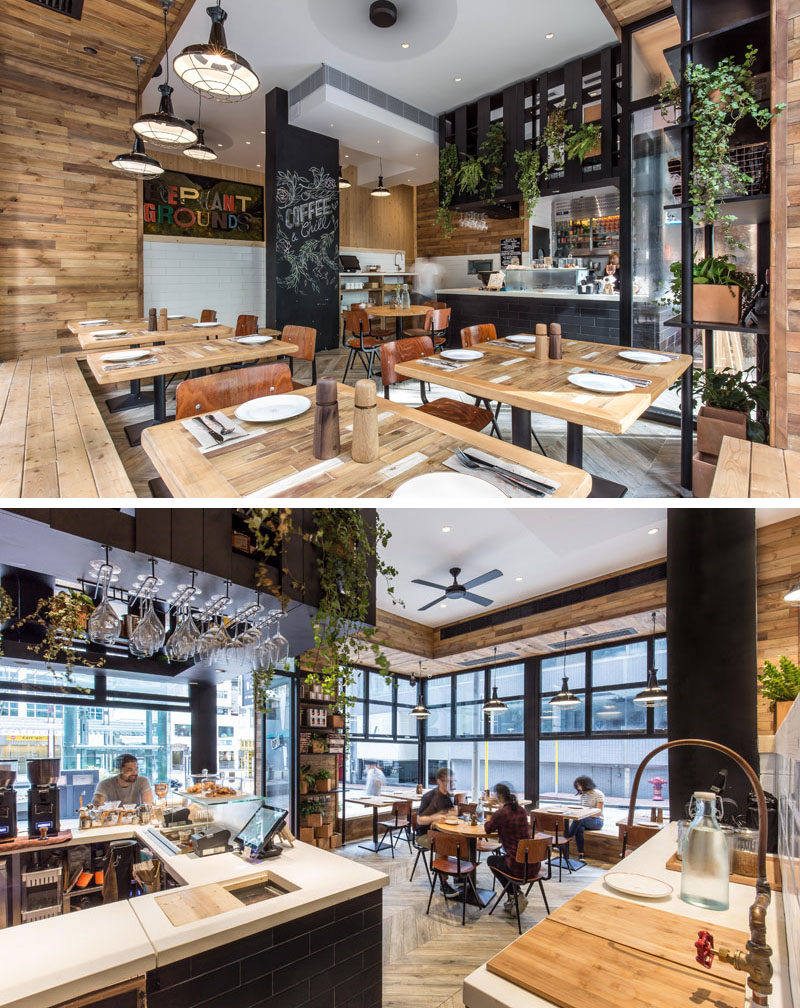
{"x": 438, "y": 320}
{"x": 230, "y": 388}
{"x": 546, "y": 822}
{"x": 399, "y": 351}
{"x": 356, "y": 323}
{"x": 247, "y": 325}
{"x": 208, "y": 315}
{"x": 531, "y": 853}
{"x": 634, "y": 836}
{"x": 467, "y": 808}
{"x": 449, "y": 845}
{"x": 434, "y": 304}
{"x": 475, "y": 334}
{"x": 304, "y": 337}
{"x": 401, "y": 810}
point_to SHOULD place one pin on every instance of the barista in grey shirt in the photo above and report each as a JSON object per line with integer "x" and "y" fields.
{"x": 127, "y": 787}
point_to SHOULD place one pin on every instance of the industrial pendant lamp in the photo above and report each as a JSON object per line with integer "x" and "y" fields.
{"x": 495, "y": 705}
{"x": 200, "y": 151}
{"x": 212, "y": 69}
{"x": 652, "y": 695}
{"x": 565, "y": 698}
{"x": 137, "y": 162}
{"x": 420, "y": 711}
{"x": 380, "y": 189}
{"x": 164, "y": 129}
{"x": 343, "y": 183}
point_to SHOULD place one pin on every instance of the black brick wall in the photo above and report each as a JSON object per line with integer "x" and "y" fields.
{"x": 329, "y": 959}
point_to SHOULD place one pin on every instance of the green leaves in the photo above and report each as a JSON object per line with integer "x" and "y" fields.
{"x": 448, "y": 175}
{"x": 781, "y": 682}
{"x": 711, "y": 270}
{"x": 529, "y": 168}
{"x": 733, "y": 390}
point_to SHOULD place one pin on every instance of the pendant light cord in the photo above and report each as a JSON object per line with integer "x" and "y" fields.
{"x": 166, "y": 5}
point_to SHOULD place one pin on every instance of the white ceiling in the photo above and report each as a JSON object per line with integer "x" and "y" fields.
{"x": 487, "y": 45}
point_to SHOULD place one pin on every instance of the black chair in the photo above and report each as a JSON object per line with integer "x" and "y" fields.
{"x": 447, "y": 861}
{"x": 399, "y": 828}
{"x": 421, "y": 851}
{"x": 361, "y": 344}
{"x": 529, "y": 853}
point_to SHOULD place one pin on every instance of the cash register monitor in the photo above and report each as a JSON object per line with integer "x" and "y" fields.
{"x": 260, "y": 831}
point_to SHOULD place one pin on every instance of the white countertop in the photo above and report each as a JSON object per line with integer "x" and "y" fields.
{"x": 483, "y": 989}
{"x": 545, "y": 295}
{"x": 104, "y": 945}
{"x": 359, "y": 273}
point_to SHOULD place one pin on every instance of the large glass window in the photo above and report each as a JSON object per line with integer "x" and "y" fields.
{"x": 469, "y": 703}
{"x": 397, "y": 760}
{"x": 510, "y": 683}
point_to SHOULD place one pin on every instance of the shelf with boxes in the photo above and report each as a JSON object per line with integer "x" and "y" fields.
{"x": 321, "y": 758}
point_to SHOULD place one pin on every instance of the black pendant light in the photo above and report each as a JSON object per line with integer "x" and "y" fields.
{"x": 420, "y": 711}
{"x": 200, "y": 151}
{"x": 137, "y": 162}
{"x": 380, "y": 189}
{"x": 212, "y": 69}
{"x": 652, "y": 695}
{"x": 343, "y": 183}
{"x": 164, "y": 129}
{"x": 495, "y": 705}
{"x": 565, "y": 697}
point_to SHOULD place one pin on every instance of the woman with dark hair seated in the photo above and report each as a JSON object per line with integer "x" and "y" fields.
{"x": 511, "y": 824}
{"x": 590, "y": 797}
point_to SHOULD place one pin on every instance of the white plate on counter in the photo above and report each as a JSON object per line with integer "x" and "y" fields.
{"x": 254, "y": 340}
{"x": 204, "y": 325}
{"x": 609, "y": 384}
{"x": 429, "y": 486}
{"x": 269, "y": 409}
{"x": 521, "y": 338}
{"x": 126, "y": 355}
{"x": 632, "y": 884}
{"x": 94, "y": 321}
{"x": 461, "y": 355}
{"x": 109, "y": 332}
{"x": 644, "y": 356}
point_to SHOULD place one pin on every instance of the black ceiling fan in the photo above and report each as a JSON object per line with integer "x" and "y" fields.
{"x": 460, "y": 591}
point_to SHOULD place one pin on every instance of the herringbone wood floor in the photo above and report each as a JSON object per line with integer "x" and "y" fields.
{"x": 425, "y": 958}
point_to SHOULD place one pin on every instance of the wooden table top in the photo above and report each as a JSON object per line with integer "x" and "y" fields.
{"x": 745, "y": 469}
{"x": 278, "y": 461}
{"x": 75, "y": 327}
{"x": 179, "y": 357}
{"x": 53, "y": 442}
{"x": 372, "y": 801}
{"x": 460, "y": 828}
{"x": 138, "y": 335}
{"x": 519, "y": 379}
{"x": 386, "y": 311}
{"x": 569, "y": 812}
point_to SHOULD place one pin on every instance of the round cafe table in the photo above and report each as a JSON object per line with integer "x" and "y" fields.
{"x": 398, "y": 314}
{"x": 473, "y": 834}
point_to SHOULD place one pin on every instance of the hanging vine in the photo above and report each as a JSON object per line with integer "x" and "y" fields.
{"x": 448, "y": 177}
{"x": 7, "y": 610}
{"x": 529, "y": 170}
{"x": 64, "y": 617}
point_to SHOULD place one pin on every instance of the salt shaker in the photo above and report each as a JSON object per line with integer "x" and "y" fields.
{"x": 542, "y": 345}
{"x": 152, "y": 323}
{"x": 326, "y": 420}
{"x": 555, "y": 341}
{"x": 365, "y": 422}
{"x": 162, "y": 320}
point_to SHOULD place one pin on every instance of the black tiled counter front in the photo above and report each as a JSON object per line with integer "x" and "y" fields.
{"x": 327, "y": 959}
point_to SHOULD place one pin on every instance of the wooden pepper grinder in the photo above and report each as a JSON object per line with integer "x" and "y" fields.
{"x": 152, "y": 323}
{"x": 326, "y": 420}
{"x": 365, "y": 422}
{"x": 555, "y": 341}
{"x": 162, "y": 320}
{"x": 542, "y": 343}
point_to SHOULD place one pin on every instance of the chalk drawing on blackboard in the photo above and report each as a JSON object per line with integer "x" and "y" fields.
{"x": 307, "y": 229}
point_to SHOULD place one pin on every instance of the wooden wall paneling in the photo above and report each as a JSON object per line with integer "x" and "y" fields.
{"x": 624, "y": 12}
{"x": 431, "y": 241}
{"x": 215, "y": 169}
{"x": 367, "y": 222}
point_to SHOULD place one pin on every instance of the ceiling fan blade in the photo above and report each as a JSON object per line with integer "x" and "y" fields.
{"x": 429, "y": 584}
{"x": 469, "y": 597}
{"x": 440, "y": 599}
{"x": 488, "y": 576}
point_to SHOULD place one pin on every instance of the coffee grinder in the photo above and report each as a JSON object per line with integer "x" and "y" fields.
{"x": 8, "y": 800}
{"x": 43, "y": 797}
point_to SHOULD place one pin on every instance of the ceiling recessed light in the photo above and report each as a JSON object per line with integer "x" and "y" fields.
{"x": 549, "y": 35}
{"x": 442, "y": 605}
{"x": 263, "y": 132}
{"x": 331, "y": 125}
{"x": 219, "y": 145}
{"x": 518, "y": 579}
{"x": 258, "y": 166}
{"x": 347, "y": 155}
{"x": 652, "y": 531}
{"x": 416, "y": 155}
{"x": 458, "y": 80}
{"x": 405, "y": 45}
{"x": 447, "y": 528}
{"x": 377, "y": 141}
{"x": 247, "y": 142}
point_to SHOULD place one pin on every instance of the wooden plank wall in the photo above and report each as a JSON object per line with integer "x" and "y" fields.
{"x": 368, "y": 222}
{"x": 431, "y": 241}
{"x": 176, "y": 162}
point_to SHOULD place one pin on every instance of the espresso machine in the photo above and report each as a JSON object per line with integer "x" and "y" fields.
{"x": 8, "y": 800}
{"x": 43, "y": 797}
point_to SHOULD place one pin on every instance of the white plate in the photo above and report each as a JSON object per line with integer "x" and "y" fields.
{"x": 109, "y": 332}
{"x": 175, "y": 316}
{"x": 601, "y": 383}
{"x": 94, "y": 321}
{"x": 255, "y": 339}
{"x": 644, "y": 356}
{"x": 521, "y": 338}
{"x": 429, "y": 486}
{"x": 461, "y": 354}
{"x": 126, "y": 355}
{"x": 637, "y": 885}
{"x": 451, "y": 822}
{"x": 268, "y": 409}
{"x": 204, "y": 325}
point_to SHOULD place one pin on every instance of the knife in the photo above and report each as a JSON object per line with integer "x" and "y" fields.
{"x": 644, "y": 382}
{"x": 217, "y": 437}
{"x": 524, "y": 480}
{"x": 127, "y": 364}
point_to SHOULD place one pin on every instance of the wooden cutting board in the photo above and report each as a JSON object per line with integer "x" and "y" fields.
{"x": 751, "y": 860}
{"x": 647, "y": 929}
{"x": 572, "y": 969}
{"x": 185, "y": 906}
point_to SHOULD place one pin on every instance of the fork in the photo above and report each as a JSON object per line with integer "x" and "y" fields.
{"x": 210, "y": 430}
{"x": 644, "y": 382}
{"x": 223, "y": 429}
{"x": 519, "y": 482}
{"x": 127, "y": 364}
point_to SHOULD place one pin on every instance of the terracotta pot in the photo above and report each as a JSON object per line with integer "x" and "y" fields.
{"x": 717, "y": 303}
{"x": 703, "y": 469}
{"x": 782, "y": 708}
{"x": 713, "y": 424}
{"x": 337, "y": 720}
{"x": 317, "y": 747}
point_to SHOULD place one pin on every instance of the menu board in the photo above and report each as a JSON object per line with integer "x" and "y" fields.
{"x": 197, "y": 206}
{"x": 510, "y": 249}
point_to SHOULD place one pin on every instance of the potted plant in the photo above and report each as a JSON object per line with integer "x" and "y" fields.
{"x": 311, "y": 813}
{"x": 337, "y": 719}
{"x": 307, "y": 779}
{"x": 319, "y": 744}
{"x": 322, "y": 780}
{"x": 781, "y": 685}
{"x": 65, "y": 617}
{"x": 718, "y": 286}
{"x": 448, "y": 179}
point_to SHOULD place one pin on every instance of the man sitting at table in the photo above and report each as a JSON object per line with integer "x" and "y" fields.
{"x": 510, "y": 823}
{"x": 435, "y": 806}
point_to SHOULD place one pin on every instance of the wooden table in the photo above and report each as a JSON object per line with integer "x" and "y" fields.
{"x": 53, "y": 442}
{"x": 137, "y": 336}
{"x": 75, "y": 327}
{"x": 564, "y": 813}
{"x": 368, "y": 801}
{"x": 277, "y": 460}
{"x": 745, "y": 469}
{"x": 398, "y": 314}
{"x": 512, "y": 375}
{"x": 175, "y": 359}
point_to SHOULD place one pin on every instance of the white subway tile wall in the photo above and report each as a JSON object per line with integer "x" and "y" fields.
{"x": 190, "y": 276}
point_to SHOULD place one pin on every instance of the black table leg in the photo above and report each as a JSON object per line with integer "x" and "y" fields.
{"x": 600, "y": 487}
{"x": 129, "y": 400}
{"x": 134, "y": 431}
{"x": 521, "y": 427}
{"x": 375, "y": 845}
{"x": 398, "y": 327}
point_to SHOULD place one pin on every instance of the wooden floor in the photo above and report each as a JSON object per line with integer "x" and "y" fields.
{"x": 425, "y": 958}
{"x": 646, "y": 458}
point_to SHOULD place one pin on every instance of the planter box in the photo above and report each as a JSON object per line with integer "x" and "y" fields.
{"x": 703, "y": 469}
{"x": 337, "y": 720}
{"x": 323, "y": 831}
{"x": 717, "y": 303}
{"x": 324, "y": 843}
{"x": 782, "y": 708}
{"x": 314, "y": 819}
{"x": 323, "y": 785}
{"x": 307, "y": 834}
{"x": 303, "y": 787}
{"x": 713, "y": 424}
{"x": 318, "y": 747}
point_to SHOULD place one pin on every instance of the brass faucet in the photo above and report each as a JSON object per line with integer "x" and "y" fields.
{"x": 756, "y": 960}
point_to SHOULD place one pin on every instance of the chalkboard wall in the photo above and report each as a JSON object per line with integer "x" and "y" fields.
{"x": 302, "y": 214}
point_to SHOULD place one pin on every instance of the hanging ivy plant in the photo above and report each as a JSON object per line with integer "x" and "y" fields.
{"x": 448, "y": 176}
{"x": 7, "y": 610}
{"x": 490, "y": 155}
{"x": 561, "y": 140}
{"x": 470, "y": 175}
{"x": 64, "y": 617}
{"x": 529, "y": 168}
{"x": 722, "y": 96}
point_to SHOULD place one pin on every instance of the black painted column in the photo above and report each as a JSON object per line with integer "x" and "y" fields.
{"x": 711, "y": 647}
{"x": 203, "y": 707}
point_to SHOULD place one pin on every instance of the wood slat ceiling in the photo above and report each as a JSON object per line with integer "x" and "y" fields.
{"x": 624, "y": 12}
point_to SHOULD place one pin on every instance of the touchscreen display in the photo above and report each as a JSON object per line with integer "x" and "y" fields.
{"x": 262, "y": 826}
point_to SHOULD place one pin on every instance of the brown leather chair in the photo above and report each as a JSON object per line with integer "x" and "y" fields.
{"x": 435, "y": 304}
{"x": 247, "y": 325}
{"x": 549, "y": 826}
{"x": 529, "y": 857}
{"x": 437, "y": 322}
{"x": 208, "y": 315}
{"x": 450, "y": 857}
{"x": 357, "y": 337}
{"x": 394, "y": 353}
{"x": 230, "y": 388}
{"x": 398, "y": 827}
{"x": 475, "y": 334}
{"x": 634, "y": 836}
{"x": 376, "y": 328}
{"x": 306, "y": 338}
